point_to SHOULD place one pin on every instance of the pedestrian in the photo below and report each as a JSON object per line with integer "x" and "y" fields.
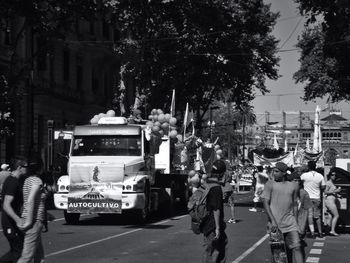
{"x": 228, "y": 196}
{"x": 314, "y": 184}
{"x": 33, "y": 214}
{"x": 12, "y": 205}
{"x": 261, "y": 179}
{"x": 4, "y": 173}
{"x": 213, "y": 228}
{"x": 279, "y": 198}
{"x": 331, "y": 193}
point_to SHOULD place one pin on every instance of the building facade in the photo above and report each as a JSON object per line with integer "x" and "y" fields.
{"x": 66, "y": 83}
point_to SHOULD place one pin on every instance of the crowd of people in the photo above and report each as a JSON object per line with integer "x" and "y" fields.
{"x": 291, "y": 198}
{"x": 23, "y": 209}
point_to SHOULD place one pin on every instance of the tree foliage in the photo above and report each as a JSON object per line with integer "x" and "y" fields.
{"x": 325, "y": 45}
{"x": 206, "y": 50}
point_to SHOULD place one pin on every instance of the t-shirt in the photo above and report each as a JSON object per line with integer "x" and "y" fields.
{"x": 312, "y": 183}
{"x": 39, "y": 202}
{"x": 12, "y": 187}
{"x": 214, "y": 202}
{"x": 280, "y": 195}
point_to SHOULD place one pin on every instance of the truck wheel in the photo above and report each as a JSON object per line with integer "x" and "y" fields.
{"x": 71, "y": 218}
{"x": 142, "y": 214}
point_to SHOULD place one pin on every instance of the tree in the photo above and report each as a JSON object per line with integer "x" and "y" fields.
{"x": 325, "y": 49}
{"x": 6, "y": 120}
{"x": 169, "y": 45}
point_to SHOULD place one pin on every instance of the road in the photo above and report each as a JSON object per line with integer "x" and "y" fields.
{"x": 116, "y": 239}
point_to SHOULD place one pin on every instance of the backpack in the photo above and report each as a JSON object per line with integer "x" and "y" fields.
{"x": 197, "y": 208}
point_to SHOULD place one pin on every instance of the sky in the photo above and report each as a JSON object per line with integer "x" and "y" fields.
{"x": 285, "y": 95}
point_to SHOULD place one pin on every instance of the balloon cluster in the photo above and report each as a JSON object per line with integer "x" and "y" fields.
{"x": 195, "y": 179}
{"x": 162, "y": 123}
{"x": 219, "y": 153}
{"x": 96, "y": 118}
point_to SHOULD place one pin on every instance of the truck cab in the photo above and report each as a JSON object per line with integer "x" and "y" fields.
{"x": 107, "y": 171}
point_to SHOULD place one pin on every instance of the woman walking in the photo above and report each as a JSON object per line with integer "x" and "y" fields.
{"x": 331, "y": 193}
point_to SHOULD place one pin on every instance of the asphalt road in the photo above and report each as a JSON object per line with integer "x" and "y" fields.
{"x": 117, "y": 239}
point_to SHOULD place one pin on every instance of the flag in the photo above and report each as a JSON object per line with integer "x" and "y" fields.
{"x": 190, "y": 122}
{"x": 172, "y": 106}
{"x": 275, "y": 143}
{"x": 185, "y": 120}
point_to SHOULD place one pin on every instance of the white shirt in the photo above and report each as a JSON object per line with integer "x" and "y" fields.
{"x": 312, "y": 183}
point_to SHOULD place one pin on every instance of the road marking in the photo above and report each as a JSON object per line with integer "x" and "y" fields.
{"x": 250, "y": 250}
{"x": 316, "y": 251}
{"x": 110, "y": 237}
{"x": 312, "y": 260}
{"x": 318, "y": 244}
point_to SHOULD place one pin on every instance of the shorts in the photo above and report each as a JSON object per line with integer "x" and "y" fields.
{"x": 229, "y": 198}
{"x": 316, "y": 208}
{"x": 292, "y": 239}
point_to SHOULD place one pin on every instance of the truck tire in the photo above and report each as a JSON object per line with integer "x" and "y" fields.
{"x": 71, "y": 218}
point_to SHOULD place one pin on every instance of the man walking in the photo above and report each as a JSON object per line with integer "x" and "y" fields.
{"x": 12, "y": 204}
{"x": 213, "y": 228}
{"x": 314, "y": 184}
{"x": 279, "y": 198}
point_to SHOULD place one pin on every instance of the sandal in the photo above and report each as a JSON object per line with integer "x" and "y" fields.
{"x": 333, "y": 234}
{"x": 232, "y": 221}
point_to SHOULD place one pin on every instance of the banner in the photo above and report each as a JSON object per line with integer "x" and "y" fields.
{"x": 95, "y": 188}
{"x": 260, "y": 160}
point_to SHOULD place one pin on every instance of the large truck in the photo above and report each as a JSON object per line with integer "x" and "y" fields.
{"x": 114, "y": 167}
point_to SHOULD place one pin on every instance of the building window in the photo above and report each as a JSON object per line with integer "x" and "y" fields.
{"x": 94, "y": 82}
{"x": 66, "y": 65}
{"x": 92, "y": 28}
{"x": 105, "y": 30}
{"x": 42, "y": 53}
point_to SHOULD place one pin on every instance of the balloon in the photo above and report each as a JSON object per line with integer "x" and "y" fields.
{"x": 167, "y": 117}
{"x": 157, "y": 123}
{"x": 110, "y": 113}
{"x": 159, "y": 111}
{"x": 195, "y": 180}
{"x": 165, "y": 126}
{"x": 172, "y": 128}
{"x": 150, "y": 117}
{"x": 161, "y": 132}
{"x": 179, "y": 137}
{"x": 101, "y": 115}
{"x": 192, "y": 173}
{"x": 154, "y": 111}
{"x": 216, "y": 147}
{"x": 94, "y": 120}
{"x": 161, "y": 118}
{"x": 155, "y": 128}
{"x": 155, "y": 117}
{"x": 172, "y": 121}
{"x": 219, "y": 151}
{"x": 149, "y": 123}
{"x": 173, "y": 134}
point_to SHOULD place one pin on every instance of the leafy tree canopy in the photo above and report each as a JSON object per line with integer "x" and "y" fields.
{"x": 325, "y": 45}
{"x": 206, "y": 50}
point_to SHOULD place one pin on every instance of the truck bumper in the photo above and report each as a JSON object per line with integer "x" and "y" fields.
{"x": 129, "y": 201}
{"x": 60, "y": 200}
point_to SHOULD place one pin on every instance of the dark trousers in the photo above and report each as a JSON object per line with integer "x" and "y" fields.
{"x": 15, "y": 238}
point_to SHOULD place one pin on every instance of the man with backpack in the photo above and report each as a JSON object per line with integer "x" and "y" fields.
{"x": 211, "y": 221}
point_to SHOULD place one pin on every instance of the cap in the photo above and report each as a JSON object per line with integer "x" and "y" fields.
{"x": 282, "y": 167}
{"x": 218, "y": 167}
{"x": 4, "y": 166}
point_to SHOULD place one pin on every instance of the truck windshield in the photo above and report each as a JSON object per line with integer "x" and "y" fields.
{"x": 105, "y": 145}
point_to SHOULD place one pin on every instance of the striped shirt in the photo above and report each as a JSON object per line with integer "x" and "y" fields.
{"x": 39, "y": 202}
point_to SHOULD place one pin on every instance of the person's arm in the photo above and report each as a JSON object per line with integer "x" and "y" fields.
{"x": 9, "y": 210}
{"x": 272, "y": 219}
{"x": 217, "y": 223}
{"x": 35, "y": 190}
